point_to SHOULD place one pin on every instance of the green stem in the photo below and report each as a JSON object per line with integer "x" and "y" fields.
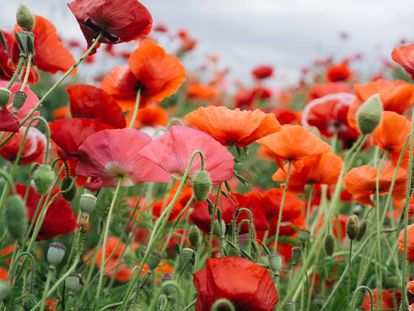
{"x": 27, "y": 73}
{"x": 46, "y": 289}
{"x": 136, "y": 107}
{"x": 16, "y": 72}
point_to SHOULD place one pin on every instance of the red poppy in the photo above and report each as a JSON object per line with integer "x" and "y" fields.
{"x": 233, "y": 127}
{"x": 115, "y": 153}
{"x": 59, "y": 219}
{"x": 87, "y": 101}
{"x": 262, "y": 72}
{"x": 410, "y": 242}
{"x": 320, "y": 90}
{"x": 187, "y": 42}
{"x": 389, "y": 300}
{"x": 7, "y": 66}
{"x": 404, "y": 55}
{"x": 246, "y": 284}
{"x": 337, "y": 73}
{"x": 287, "y": 116}
{"x": 118, "y": 20}
{"x": 157, "y": 74}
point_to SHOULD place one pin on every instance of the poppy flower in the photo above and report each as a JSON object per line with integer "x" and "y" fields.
{"x": 115, "y": 153}
{"x": 7, "y": 65}
{"x": 233, "y": 127}
{"x": 329, "y": 115}
{"x": 395, "y": 96}
{"x": 389, "y": 300}
{"x": 337, "y": 73}
{"x": 262, "y": 72}
{"x": 320, "y": 90}
{"x": 149, "y": 116}
{"x": 173, "y": 150}
{"x": 3, "y": 274}
{"x": 187, "y": 43}
{"x": 50, "y": 53}
{"x": 361, "y": 182}
{"x": 410, "y": 242}
{"x": 404, "y": 55}
{"x": 157, "y": 74}
{"x": 321, "y": 169}
{"x": 246, "y": 284}
{"x": 33, "y": 150}
{"x": 62, "y": 112}
{"x": 59, "y": 219}
{"x": 197, "y": 90}
{"x": 118, "y": 20}
{"x": 8, "y": 121}
{"x": 293, "y": 142}
{"x": 392, "y": 132}
{"x": 87, "y": 101}
{"x": 287, "y": 116}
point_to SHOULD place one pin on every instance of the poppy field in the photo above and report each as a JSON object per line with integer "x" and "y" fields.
{"x": 154, "y": 186}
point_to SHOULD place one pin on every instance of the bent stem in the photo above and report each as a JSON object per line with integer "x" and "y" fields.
{"x": 136, "y": 107}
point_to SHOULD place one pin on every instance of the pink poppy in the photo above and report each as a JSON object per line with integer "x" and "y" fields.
{"x": 115, "y": 153}
{"x": 173, "y": 150}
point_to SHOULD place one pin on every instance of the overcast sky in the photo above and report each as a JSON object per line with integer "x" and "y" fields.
{"x": 288, "y": 34}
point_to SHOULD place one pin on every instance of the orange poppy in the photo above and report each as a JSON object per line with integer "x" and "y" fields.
{"x": 233, "y": 127}
{"x": 322, "y": 169}
{"x": 404, "y": 55}
{"x": 293, "y": 142}
{"x": 320, "y": 90}
{"x": 396, "y": 96}
{"x": 410, "y": 242}
{"x": 361, "y": 183}
{"x": 201, "y": 91}
{"x": 157, "y": 74}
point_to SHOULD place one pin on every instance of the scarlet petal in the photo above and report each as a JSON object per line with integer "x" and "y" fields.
{"x": 8, "y": 121}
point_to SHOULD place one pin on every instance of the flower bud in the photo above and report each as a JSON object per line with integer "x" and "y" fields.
{"x": 304, "y": 235}
{"x": 55, "y": 253}
{"x": 275, "y": 262}
{"x": 352, "y": 227}
{"x": 154, "y": 260}
{"x": 219, "y": 229}
{"x": 194, "y": 237}
{"x": 43, "y": 178}
{"x": 19, "y": 99}
{"x": 5, "y": 95}
{"x": 329, "y": 245}
{"x": 187, "y": 256}
{"x": 25, "y": 18}
{"x": 87, "y": 203}
{"x": 74, "y": 282}
{"x": 201, "y": 186}
{"x": 25, "y": 41}
{"x": 69, "y": 194}
{"x": 5, "y": 290}
{"x": 296, "y": 255}
{"x": 16, "y": 217}
{"x": 362, "y": 230}
{"x": 369, "y": 114}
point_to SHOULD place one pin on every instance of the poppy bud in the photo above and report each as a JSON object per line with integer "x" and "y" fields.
{"x": 362, "y": 230}
{"x": 187, "y": 255}
{"x": 55, "y": 253}
{"x": 296, "y": 254}
{"x": 19, "y": 99}
{"x": 329, "y": 245}
{"x": 352, "y": 227}
{"x": 154, "y": 260}
{"x": 219, "y": 229}
{"x": 5, "y": 95}
{"x": 87, "y": 203}
{"x": 16, "y": 217}
{"x": 69, "y": 194}
{"x": 74, "y": 282}
{"x": 25, "y": 18}
{"x": 201, "y": 186}
{"x": 194, "y": 237}
{"x": 43, "y": 178}
{"x": 304, "y": 235}
{"x": 369, "y": 114}
{"x": 290, "y": 306}
{"x": 25, "y": 41}
{"x": 5, "y": 290}
{"x": 275, "y": 262}
{"x": 392, "y": 281}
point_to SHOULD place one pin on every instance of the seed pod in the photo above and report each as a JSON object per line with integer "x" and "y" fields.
{"x": 362, "y": 230}
{"x": 87, "y": 203}
{"x": 43, "y": 178}
{"x": 352, "y": 227}
{"x": 329, "y": 245}
{"x": 201, "y": 186}
{"x": 5, "y": 290}
{"x": 70, "y": 194}
{"x": 19, "y": 99}
{"x": 74, "y": 282}
{"x": 154, "y": 260}
{"x": 369, "y": 114}
{"x": 55, "y": 253}
{"x": 16, "y": 217}
{"x": 275, "y": 262}
{"x": 25, "y": 18}
{"x": 5, "y": 95}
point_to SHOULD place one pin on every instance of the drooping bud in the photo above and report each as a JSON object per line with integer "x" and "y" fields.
{"x": 55, "y": 253}
{"x": 68, "y": 194}
{"x": 5, "y": 95}
{"x": 16, "y": 217}
{"x": 19, "y": 99}
{"x": 87, "y": 203}
{"x": 201, "y": 186}
{"x": 25, "y": 18}
{"x": 194, "y": 237}
{"x": 5, "y": 290}
{"x": 275, "y": 262}
{"x": 43, "y": 178}
{"x": 352, "y": 227}
{"x": 219, "y": 228}
{"x": 154, "y": 260}
{"x": 362, "y": 230}
{"x": 74, "y": 282}
{"x": 304, "y": 235}
{"x": 329, "y": 245}
{"x": 296, "y": 255}
{"x": 369, "y": 114}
